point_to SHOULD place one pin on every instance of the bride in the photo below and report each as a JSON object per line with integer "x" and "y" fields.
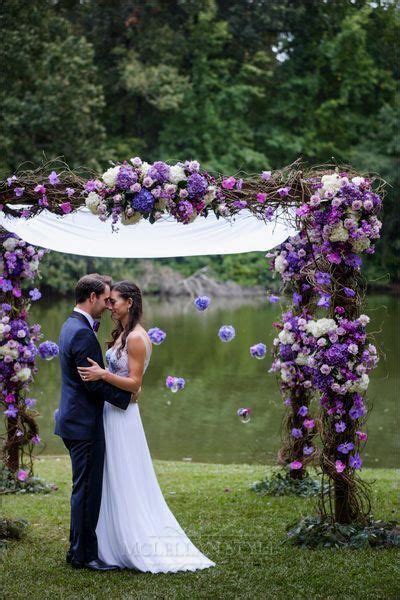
{"x": 136, "y": 529}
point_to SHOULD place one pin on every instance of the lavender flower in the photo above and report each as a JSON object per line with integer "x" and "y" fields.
{"x": 35, "y": 294}
{"x": 143, "y": 201}
{"x": 297, "y": 433}
{"x": 346, "y": 447}
{"x": 53, "y": 178}
{"x": 226, "y": 333}
{"x": 175, "y": 383}
{"x": 197, "y": 185}
{"x": 302, "y": 412}
{"x": 258, "y": 350}
{"x": 11, "y": 411}
{"x": 355, "y": 461}
{"x": 340, "y": 426}
{"x": 307, "y": 450}
{"x": 125, "y": 178}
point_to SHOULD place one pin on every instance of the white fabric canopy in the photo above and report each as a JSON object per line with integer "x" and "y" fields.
{"x": 83, "y": 233}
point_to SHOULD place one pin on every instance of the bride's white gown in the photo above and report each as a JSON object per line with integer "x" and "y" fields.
{"x": 136, "y": 528}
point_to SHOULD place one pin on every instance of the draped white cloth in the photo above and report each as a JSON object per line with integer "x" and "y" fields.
{"x": 83, "y": 233}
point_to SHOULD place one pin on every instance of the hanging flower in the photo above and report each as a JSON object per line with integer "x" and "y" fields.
{"x": 156, "y": 335}
{"x": 226, "y": 333}
{"x": 202, "y": 303}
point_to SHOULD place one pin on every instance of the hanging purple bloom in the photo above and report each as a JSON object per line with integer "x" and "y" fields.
{"x": 202, "y": 303}
{"x": 339, "y": 466}
{"x": 349, "y": 292}
{"x": 303, "y": 411}
{"x": 307, "y": 450}
{"x": 226, "y": 333}
{"x": 346, "y": 447}
{"x": 258, "y": 351}
{"x": 48, "y": 350}
{"x": 10, "y": 180}
{"x": 156, "y": 335}
{"x": 297, "y": 433}
{"x": 30, "y": 402}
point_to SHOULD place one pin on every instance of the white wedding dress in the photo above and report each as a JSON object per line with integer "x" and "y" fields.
{"x": 136, "y": 529}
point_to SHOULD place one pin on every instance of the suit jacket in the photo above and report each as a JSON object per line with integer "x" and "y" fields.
{"x": 80, "y": 414}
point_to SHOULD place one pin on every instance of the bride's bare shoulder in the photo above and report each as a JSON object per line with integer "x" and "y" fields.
{"x": 138, "y": 334}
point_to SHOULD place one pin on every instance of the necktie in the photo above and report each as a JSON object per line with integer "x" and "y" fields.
{"x": 96, "y": 326}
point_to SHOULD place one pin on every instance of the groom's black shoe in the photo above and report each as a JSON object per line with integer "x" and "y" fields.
{"x": 99, "y": 565}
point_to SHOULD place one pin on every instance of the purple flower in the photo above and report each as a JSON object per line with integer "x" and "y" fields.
{"x": 322, "y": 278}
{"x": 258, "y": 350}
{"x": 340, "y": 426}
{"x": 202, "y": 302}
{"x": 273, "y": 299}
{"x": 159, "y": 172}
{"x": 265, "y": 175}
{"x": 22, "y": 475}
{"x": 283, "y": 191}
{"x": 6, "y": 307}
{"x": 184, "y": 211}
{"x": 296, "y": 464}
{"x": 355, "y": 461}
{"x": 346, "y": 447}
{"x": 35, "y": 440}
{"x": 349, "y": 292}
{"x": 125, "y": 178}
{"x": 302, "y": 412}
{"x": 307, "y": 450}
{"x": 91, "y": 185}
{"x": 324, "y": 300}
{"x": 11, "y": 411}
{"x": 228, "y": 183}
{"x": 48, "y": 350}
{"x": 66, "y": 207}
{"x": 30, "y": 402}
{"x": 18, "y": 191}
{"x": 309, "y": 423}
{"x": 156, "y": 335}
{"x": 297, "y": 433}
{"x": 70, "y": 191}
{"x": 226, "y": 333}
{"x": 196, "y": 185}
{"x": 10, "y": 180}
{"x": 53, "y": 178}
{"x": 297, "y": 298}
{"x": 143, "y": 201}
{"x": 339, "y": 466}
{"x": 40, "y": 189}
{"x": 175, "y": 383}
{"x": 35, "y": 294}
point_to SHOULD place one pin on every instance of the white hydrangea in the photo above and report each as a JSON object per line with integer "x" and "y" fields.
{"x": 177, "y": 174}
{"x": 286, "y": 337}
{"x": 144, "y": 168}
{"x": 339, "y": 233}
{"x": 364, "y": 320}
{"x": 361, "y": 244}
{"x": 360, "y": 385}
{"x": 331, "y": 183}
{"x": 301, "y": 359}
{"x": 321, "y": 327}
{"x": 24, "y": 374}
{"x": 10, "y": 244}
{"x": 6, "y": 350}
{"x": 110, "y": 176}
{"x": 280, "y": 263}
{"x": 92, "y": 202}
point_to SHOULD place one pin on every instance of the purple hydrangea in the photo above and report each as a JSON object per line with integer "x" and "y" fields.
{"x": 258, "y": 350}
{"x": 159, "y": 172}
{"x": 35, "y": 294}
{"x": 125, "y": 178}
{"x": 196, "y": 185}
{"x": 48, "y": 350}
{"x": 202, "y": 302}
{"x": 175, "y": 383}
{"x": 156, "y": 335}
{"x": 226, "y": 333}
{"x": 143, "y": 201}
{"x": 184, "y": 211}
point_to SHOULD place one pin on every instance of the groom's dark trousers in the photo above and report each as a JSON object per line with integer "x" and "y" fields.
{"x": 79, "y": 422}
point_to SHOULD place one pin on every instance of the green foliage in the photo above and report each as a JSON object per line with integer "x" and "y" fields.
{"x": 318, "y": 532}
{"x": 281, "y": 484}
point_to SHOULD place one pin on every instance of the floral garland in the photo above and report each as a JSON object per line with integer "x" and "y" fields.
{"x": 332, "y": 354}
{"x": 19, "y": 347}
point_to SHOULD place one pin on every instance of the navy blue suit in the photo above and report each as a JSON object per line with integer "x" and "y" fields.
{"x": 79, "y": 422}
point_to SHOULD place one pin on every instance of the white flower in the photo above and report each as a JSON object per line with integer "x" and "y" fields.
{"x": 353, "y": 348}
{"x": 339, "y": 233}
{"x": 34, "y": 265}
{"x": 301, "y": 359}
{"x": 364, "y": 320}
{"x": 24, "y": 374}
{"x": 210, "y": 195}
{"x": 321, "y": 327}
{"x": 361, "y": 244}
{"x": 360, "y": 385}
{"x": 330, "y": 183}
{"x": 92, "y": 202}
{"x": 110, "y": 176}
{"x": 358, "y": 180}
{"x": 136, "y": 161}
{"x": 10, "y": 244}
{"x": 286, "y": 338}
{"x": 170, "y": 188}
{"x": 177, "y": 174}
{"x": 144, "y": 168}
{"x": 280, "y": 263}
{"x": 131, "y": 220}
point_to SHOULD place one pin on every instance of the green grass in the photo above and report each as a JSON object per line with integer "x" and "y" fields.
{"x": 238, "y": 529}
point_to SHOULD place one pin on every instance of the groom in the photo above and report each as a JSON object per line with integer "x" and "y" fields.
{"x": 79, "y": 421}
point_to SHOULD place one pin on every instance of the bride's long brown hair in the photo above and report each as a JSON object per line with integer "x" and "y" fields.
{"x": 127, "y": 289}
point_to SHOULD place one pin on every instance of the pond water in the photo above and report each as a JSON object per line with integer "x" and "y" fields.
{"x": 199, "y": 423}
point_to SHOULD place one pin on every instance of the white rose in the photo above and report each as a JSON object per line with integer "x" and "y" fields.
{"x": 331, "y": 183}
{"x": 321, "y": 327}
{"x": 24, "y": 374}
{"x": 364, "y": 320}
{"x": 280, "y": 263}
{"x": 339, "y": 233}
{"x": 110, "y": 176}
{"x": 92, "y": 202}
{"x": 10, "y": 244}
{"x": 144, "y": 168}
{"x": 210, "y": 195}
{"x": 177, "y": 174}
{"x": 301, "y": 359}
{"x": 360, "y": 385}
{"x": 358, "y": 180}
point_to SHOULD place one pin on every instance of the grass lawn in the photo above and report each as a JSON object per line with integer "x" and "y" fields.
{"x": 241, "y": 531}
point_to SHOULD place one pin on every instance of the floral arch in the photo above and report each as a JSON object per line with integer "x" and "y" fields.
{"x": 322, "y": 350}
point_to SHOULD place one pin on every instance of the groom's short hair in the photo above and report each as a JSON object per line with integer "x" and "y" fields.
{"x": 91, "y": 283}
